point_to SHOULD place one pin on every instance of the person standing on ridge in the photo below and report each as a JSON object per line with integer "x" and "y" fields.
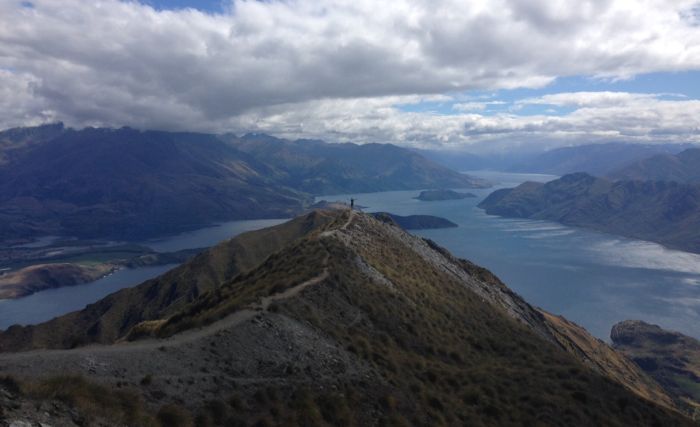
{"x": 352, "y": 204}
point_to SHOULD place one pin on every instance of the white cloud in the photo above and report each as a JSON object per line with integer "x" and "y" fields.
{"x": 337, "y": 68}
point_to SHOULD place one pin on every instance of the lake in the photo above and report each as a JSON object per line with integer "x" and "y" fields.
{"x": 45, "y": 305}
{"x": 592, "y": 278}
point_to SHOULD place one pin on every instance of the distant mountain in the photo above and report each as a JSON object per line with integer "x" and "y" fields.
{"x": 457, "y": 160}
{"x": 321, "y": 168}
{"x": 334, "y": 318}
{"x": 461, "y": 160}
{"x": 682, "y": 167}
{"x": 14, "y": 142}
{"x": 671, "y": 358}
{"x": 128, "y": 184}
{"x": 664, "y": 212}
{"x": 595, "y": 159}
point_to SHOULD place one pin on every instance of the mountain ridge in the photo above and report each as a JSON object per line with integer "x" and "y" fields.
{"x": 402, "y": 329}
{"x": 595, "y": 159}
{"x": 663, "y": 212}
{"x": 128, "y": 184}
{"x": 683, "y": 167}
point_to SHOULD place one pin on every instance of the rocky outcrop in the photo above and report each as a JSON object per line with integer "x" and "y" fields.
{"x": 671, "y": 358}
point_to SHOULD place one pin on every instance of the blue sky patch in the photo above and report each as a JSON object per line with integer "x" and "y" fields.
{"x": 209, "y": 6}
{"x": 669, "y": 86}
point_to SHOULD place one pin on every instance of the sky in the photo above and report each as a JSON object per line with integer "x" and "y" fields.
{"x": 475, "y": 75}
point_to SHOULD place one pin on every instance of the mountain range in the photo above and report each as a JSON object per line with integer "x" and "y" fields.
{"x": 320, "y": 168}
{"x": 333, "y": 318}
{"x": 659, "y": 211}
{"x": 595, "y": 159}
{"x": 130, "y": 184}
{"x": 682, "y": 167}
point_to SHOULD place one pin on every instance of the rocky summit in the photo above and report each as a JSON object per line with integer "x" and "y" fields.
{"x": 333, "y": 318}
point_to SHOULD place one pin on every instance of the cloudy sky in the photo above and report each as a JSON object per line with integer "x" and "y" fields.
{"x": 478, "y": 74}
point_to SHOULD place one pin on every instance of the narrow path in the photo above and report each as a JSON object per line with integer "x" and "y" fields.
{"x": 185, "y": 337}
{"x": 343, "y": 227}
{"x": 350, "y": 218}
{"x": 288, "y": 293}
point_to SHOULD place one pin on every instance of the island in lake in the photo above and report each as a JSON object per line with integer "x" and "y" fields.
{"x": 415, "y": 222}
{"x": 436, "y": 195}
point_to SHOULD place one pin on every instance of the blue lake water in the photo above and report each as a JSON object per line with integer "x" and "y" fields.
{"x": 50, "y": 303}
{"x": 46, "y": 305}
{"x": 592, "y": 278}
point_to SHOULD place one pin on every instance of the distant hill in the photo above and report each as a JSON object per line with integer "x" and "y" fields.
{"x": 595, "y": 159}
{"x": 664, "y": 212}
{"x": 682, "y": 167}
{"x": 321, "y": 168}
{"x": 334, "y": 318}
{"x": 130, "y": 184}
{"x": 671, "y": 358}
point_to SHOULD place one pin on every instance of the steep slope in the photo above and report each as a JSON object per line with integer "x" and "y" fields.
{"x": 671, "y": 358}
{"x": 113, "y": 317}
{"x": 664, "y": 212}
{"x": 130, "y": 184}
{"x": 595, "y": 159}
{"x": 682, "y": 167}
{"x": 321, "y": 168}
{"x": 345, "y": 320}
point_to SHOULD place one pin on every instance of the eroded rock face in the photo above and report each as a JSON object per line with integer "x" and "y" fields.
{"x": 671, "y": 358}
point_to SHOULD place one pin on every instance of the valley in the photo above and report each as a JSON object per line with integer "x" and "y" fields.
{"x": 592, "y": 278}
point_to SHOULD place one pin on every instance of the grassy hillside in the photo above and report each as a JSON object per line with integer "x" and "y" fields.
{"x": 339, "y": 319}
{"x": 113, "y": 317}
